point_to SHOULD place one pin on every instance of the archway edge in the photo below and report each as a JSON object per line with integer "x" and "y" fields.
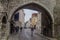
{"x": 40, "y": 4}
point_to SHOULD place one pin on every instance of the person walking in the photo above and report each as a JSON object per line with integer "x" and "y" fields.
{"x": 20, "y": 26}
{"x": 12, "y": 27}
{"x": 17, "y": 26}
{"x": 33, "y": 24}
{"x": 32, "y": 30}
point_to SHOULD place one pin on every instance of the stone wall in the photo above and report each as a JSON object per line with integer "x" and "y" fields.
{"x": 9, "y": 6}
{"x": 57, "y": 19}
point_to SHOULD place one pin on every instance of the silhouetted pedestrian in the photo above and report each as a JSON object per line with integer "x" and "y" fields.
{"x": 11, "y": 26}
{"x": 32, "y": 30}
{"x": 21, "y": 29}
{"x": 17, "y": 29}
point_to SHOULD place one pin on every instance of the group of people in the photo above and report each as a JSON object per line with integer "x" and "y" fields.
{"x": 14, "y": 28}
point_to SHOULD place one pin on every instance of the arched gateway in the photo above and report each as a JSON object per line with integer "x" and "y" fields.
{"x": 46, "y": 16}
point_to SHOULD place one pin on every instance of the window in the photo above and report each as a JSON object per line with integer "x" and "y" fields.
{"x": 16, "y": 17}
{"x": 4, "y": 20}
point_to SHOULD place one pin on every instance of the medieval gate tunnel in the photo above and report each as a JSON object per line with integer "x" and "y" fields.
{"x": 49, "y": 10}
{"x": 46, "y": 18}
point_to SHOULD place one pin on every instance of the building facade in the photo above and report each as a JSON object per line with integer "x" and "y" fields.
{"x": 21, "y": 17}
{"x": 18, "y": 18}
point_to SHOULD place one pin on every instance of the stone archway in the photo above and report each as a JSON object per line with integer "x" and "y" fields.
{"x": 35, "y": 6}
{"x": 21, "y": 6}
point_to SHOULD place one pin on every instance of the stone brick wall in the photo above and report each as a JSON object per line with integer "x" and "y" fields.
{"x": 57, "y": 19}
{"x": 9, "y": 6}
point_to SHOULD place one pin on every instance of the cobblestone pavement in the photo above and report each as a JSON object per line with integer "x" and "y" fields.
{"x": 26, "y": 35}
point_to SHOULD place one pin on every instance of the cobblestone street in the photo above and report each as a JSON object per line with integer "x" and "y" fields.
{"x": 26, "y": 35}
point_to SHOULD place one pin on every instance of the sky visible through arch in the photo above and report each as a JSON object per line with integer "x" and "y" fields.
{"x": 28, "y": 14}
